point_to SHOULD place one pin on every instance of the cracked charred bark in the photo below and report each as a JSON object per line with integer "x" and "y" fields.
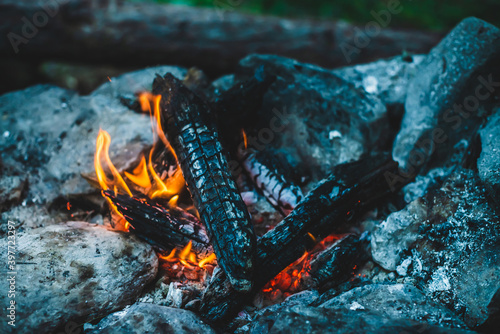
{"x": 351, "y": 190}
{"x": 186, "y": 119}
{"x": 160, "y": 227}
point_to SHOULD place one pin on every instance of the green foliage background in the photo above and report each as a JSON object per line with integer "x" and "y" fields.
{"x": 427, "y": 14}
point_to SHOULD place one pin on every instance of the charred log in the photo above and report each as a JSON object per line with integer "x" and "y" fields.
{"x": 163, "y": 228}
{"x": 186, "y": 119}
{"x": 336, "y": 264}
{"x": 122, "y": 33}
{"x": 351, "y": 190}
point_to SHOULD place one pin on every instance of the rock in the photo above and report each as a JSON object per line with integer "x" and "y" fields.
{"x": 75, "y": 272}
{"x": 488, "y": 163}
{"x": 448, "y": 242}
{"x": 448, "y": 99}
{"x": 48, "y": 135}
{"x": 307, "y": 319}
{"x": 396, "y": 301}
{"x": 151, "y": 318}
{"x": 388, "y": 79}
{"x": 313, "y": 115}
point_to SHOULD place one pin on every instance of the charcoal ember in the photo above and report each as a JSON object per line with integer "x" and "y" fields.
{"x": 337, "y": 263}
{"x": 45, "y": 134}
{"x": 313, "y": 115}
{"x": 151, "y": 318}
{"x": 488, "y": 163}
{"x": 396, "y": 301}
{"x": 271, "y": 175}
{"x": 307, "y": 319}
{"x": 449, "y": 97}
{"x": 78, "y": 272}
{"x": 444, "y": 241}
{"x": 264, "y": 215}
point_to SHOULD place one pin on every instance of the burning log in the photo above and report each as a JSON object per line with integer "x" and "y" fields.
{"x": 163, "y": 228}
{"x": 335, "y": 264}
{"x": 185, "y": 117}
{"x": 352, "y": 189}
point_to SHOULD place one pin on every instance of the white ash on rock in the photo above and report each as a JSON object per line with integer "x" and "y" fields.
{"x": 75, "y": 272}
{"x": 396, "y": 301}
{"x": 313, "y": 115}
{"x": 388, "y": 79}
{"x": 450, "y": 96}
{"x": 47, "y": 139}
{"x": 448, "y": 242}
{"x": 151, "y": 318}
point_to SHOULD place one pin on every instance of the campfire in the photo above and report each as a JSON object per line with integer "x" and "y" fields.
{"x": 280, "y": 197}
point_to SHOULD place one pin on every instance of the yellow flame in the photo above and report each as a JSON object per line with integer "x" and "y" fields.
{"x": 140, "y": 175}
{"x": 206, "y": 260}
{"x": 102, "y": 152}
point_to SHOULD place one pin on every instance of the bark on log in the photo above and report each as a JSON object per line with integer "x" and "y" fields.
{"x": 336, "y": 264}
{"x": 163, "y": 228}
{"x": 123, "y": 33}
{"x": 351, "y": 190}
{"x": 187, "y": 120}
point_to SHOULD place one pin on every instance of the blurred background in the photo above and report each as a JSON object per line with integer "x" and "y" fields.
{"x": 424, "y": 14}
{"x": 82, "y": 43}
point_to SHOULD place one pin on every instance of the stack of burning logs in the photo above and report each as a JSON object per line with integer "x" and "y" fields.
{"x": 200, "y": 133}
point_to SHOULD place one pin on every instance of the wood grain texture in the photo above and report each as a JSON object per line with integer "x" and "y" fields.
{"x": 186, "y": 119}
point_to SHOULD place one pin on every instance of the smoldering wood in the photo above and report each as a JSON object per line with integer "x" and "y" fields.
{"x": 336, "y": 264}
{"x": 123, "y": 33}
{"x": 351, "y": 190}
{"x": 187, "y": 120}
{"x": 163, "y": 228}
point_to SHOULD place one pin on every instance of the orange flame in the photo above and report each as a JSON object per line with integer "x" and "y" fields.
{"x": 140, "y": 175}
{"x": 245, "y": 139}
{"x": 187, "y": 257}
{"x": 145, "y": 177}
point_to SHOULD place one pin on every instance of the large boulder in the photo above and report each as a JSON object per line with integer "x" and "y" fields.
{"x": 73, "y": 273}
{"x": 151, "y": 318}
{"x": 449, "y": 97}
{"x": 488, "y": 163}
{"x": 312, "y": 114}
{"x": 448, "y": 242}
{"x": 396, "y": 301}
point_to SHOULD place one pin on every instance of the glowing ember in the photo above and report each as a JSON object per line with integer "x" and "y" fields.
{"x": 291, "y": 278}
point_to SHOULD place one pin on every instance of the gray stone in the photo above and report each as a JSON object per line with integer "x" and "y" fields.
{"x": 388, "y": 79}
{"x": 396, "y": 301}
{"x": 300, "y": 319}
{"x": 488, "y": 163}
{"x": 151, "y": 318}
{"x": 448, "y": 242}
{"x": 447, "y": 81}
{"x": 73, "y": 273}
{"x": 319, "y": 117}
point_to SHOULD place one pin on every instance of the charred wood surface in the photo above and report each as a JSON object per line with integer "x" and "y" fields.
{"x": 164, "y": 228}
{"x": 336, "y": 264}
{"x": 351, "y": 190}
{"x": 123, "y": 33}
{"x": 186, "y": 119}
